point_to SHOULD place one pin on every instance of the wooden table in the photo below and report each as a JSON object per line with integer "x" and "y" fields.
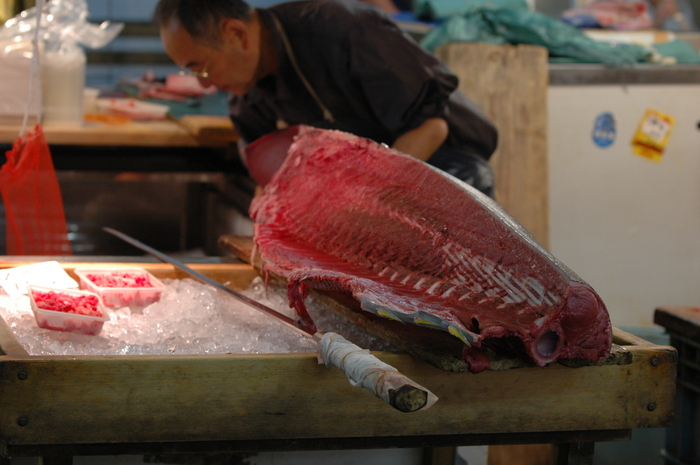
{"x": 58, "y": 406}
{"x": 189, "y": 131}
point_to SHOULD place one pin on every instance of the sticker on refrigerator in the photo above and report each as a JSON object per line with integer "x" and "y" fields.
{"x": 652, "y": 135}
{"x": 604, "y": 130}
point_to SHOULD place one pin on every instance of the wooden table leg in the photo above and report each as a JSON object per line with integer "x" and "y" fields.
{"x": 439, "y": 455}
{"x": 56, "y": 460}
{"x": 575, "y": 453}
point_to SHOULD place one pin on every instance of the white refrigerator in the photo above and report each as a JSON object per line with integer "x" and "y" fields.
{"x": 628, "y": 225}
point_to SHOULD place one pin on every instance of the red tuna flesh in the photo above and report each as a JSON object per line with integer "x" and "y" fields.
{"x": 414, "y": 244}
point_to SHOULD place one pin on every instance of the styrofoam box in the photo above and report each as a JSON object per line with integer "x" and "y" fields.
{"x": 122, "y": 296}
{"x": 135, "y": 109}
{"x": 64, "y": 321}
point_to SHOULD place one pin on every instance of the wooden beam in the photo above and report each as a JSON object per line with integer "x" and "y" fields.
{"x": 509, "y": 83}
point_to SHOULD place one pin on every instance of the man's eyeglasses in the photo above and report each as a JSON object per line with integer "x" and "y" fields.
{"x": 202, "y": 74}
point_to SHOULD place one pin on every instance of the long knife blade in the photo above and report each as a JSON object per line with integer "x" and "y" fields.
{"x": 362, "y": 368}
{"x": 243, "y": 298}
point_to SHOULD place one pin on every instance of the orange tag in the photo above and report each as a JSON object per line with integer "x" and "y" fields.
{"x": 106, "y": 119}
{"x": 652, "y": 135}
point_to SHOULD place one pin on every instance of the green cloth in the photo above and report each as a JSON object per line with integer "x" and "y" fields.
{"x": 522, "y": 26}
{"x": 682, "y": 51}
{"x": 210, "y": 104}
{"x": 435, "y": 10}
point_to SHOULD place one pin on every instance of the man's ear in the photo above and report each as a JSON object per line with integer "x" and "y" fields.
{"x": 235, "y": 31}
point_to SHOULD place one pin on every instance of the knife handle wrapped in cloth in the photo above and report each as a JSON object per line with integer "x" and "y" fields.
{"x": 365, "y": 370}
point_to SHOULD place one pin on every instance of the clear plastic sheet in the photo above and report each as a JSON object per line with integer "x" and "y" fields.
{"x": 62, "y": 22}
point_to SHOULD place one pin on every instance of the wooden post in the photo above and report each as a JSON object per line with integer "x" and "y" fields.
{"x": 509, "y": 83}
{"x": 578, "y": 453}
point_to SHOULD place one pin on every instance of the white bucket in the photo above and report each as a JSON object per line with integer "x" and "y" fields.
{"x": 63, "y": 81}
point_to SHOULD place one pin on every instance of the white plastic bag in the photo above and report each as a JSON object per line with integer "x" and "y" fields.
{"x": 62, "y": 21}
{"x": 15, "y": 64}
{"x": 63, "y": 32}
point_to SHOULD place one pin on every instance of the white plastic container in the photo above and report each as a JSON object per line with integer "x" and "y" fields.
{"x": 65, "y": 321}
{"x": 123, "y": 291}
{"x": 63, "y": 81}
{"x": 90, "y": 96}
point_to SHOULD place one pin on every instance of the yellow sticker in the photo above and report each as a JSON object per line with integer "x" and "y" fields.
{"x": 652, "y": 135}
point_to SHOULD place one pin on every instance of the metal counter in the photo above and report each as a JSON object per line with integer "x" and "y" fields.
{"x": 596, "y": 74}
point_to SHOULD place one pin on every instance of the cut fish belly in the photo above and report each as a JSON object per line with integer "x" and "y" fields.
{"x": 413, "y": 244}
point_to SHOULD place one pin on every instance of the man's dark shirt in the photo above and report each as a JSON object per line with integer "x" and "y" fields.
{"x": 376, "y": 81}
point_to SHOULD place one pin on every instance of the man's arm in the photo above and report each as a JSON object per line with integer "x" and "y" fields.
{"x": 424, "y": 140}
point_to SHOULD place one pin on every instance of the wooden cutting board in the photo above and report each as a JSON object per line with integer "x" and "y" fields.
{"x": 438, "y": 348}
{"x": 210, "y": 128}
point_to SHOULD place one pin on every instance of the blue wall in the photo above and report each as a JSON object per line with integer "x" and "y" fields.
{"x": 140, "y": 11}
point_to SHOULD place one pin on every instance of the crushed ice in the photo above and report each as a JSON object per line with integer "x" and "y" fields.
{"x": 190, "y": 318}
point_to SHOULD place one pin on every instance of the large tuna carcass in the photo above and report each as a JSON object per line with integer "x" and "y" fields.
{"x": 414, "y": 244}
